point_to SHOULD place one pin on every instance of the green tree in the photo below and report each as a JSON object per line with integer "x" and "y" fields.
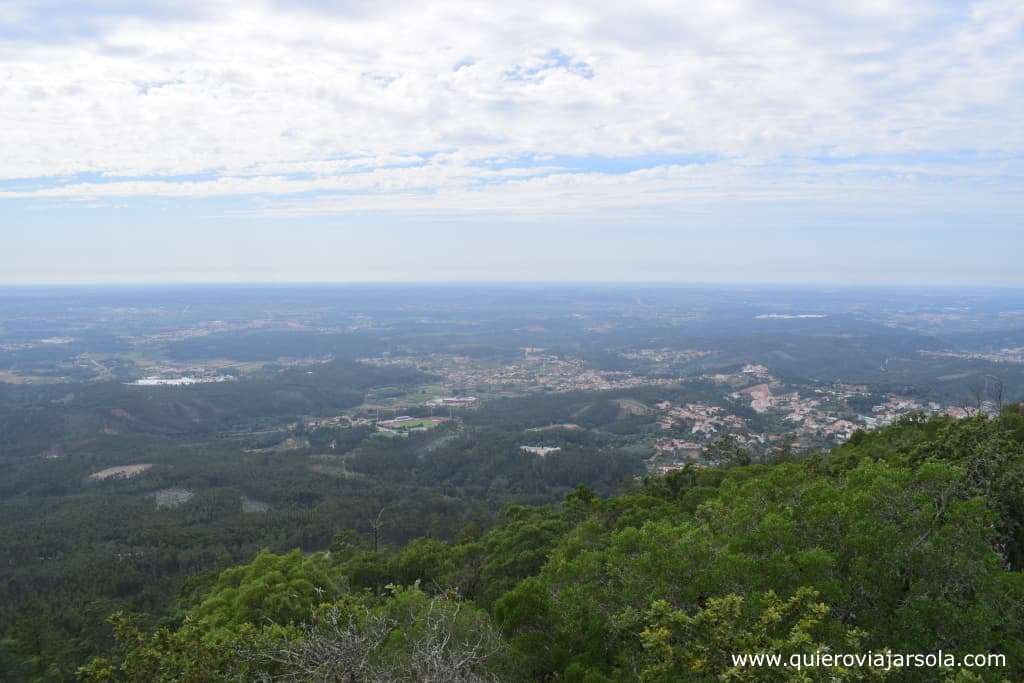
{"x": 272, "y": 589}
{"x": 700, "y": 646}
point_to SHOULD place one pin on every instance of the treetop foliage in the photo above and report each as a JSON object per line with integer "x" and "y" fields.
{"x": 908, "y": 539}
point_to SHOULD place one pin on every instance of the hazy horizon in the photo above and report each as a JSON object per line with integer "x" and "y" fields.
{"x": 637, "y": 284}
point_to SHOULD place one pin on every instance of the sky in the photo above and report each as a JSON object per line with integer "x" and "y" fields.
{"x": 795, "y": 141}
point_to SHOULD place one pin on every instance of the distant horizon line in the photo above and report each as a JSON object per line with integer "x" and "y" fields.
{"x": 502, "y": 283}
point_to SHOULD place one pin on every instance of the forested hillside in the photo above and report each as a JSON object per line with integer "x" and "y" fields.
{"x": 909, "y": 539}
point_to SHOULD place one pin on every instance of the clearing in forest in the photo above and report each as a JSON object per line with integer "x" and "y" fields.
{"x": 125, "y": 471}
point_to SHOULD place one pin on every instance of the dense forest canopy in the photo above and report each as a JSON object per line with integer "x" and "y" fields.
{"x": 910, "y": 540}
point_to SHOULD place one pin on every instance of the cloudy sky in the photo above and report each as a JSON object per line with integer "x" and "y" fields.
{"x": 873, "y": 141}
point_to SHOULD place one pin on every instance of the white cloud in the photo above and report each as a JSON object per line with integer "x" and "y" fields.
{"x": 405, "y": 106}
